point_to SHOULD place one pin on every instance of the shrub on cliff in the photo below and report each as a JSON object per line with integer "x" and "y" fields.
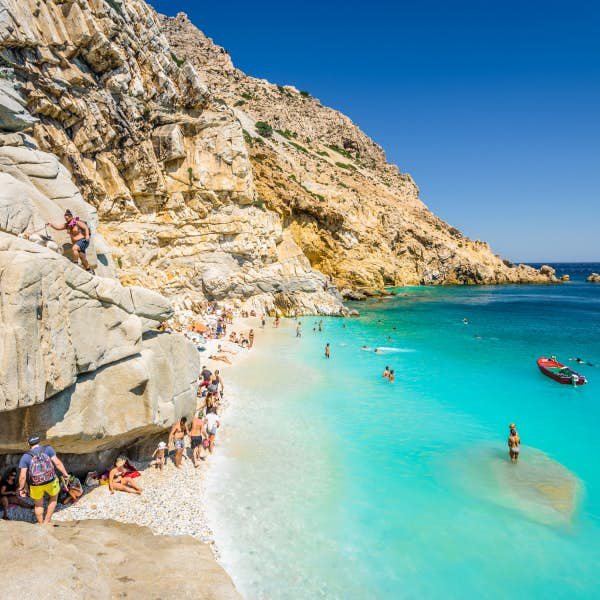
{"x": 263, "y": 129}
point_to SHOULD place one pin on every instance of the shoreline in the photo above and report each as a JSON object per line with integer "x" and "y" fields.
{"x": 173, "y": 502}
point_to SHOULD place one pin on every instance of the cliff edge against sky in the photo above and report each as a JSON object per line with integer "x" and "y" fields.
{"x": 158, "y": 130}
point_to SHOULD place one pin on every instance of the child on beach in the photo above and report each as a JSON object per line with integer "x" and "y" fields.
{"x": 159, "y": 455}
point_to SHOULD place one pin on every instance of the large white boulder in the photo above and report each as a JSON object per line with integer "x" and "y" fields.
{"x": 116, "y": 405}
{"x": 57, "y": 321}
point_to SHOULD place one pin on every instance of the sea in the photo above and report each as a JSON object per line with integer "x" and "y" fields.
{"x": 330, "y": 482}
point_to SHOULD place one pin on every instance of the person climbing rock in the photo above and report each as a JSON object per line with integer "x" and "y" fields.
{"x": 80, "y": 237}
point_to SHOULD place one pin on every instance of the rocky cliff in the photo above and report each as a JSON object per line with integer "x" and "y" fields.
{"x": 160, "y": 158}
{"x": 158, "y": 130}
{"x": 80, "y": 363}
{"x": 355, "y": 216}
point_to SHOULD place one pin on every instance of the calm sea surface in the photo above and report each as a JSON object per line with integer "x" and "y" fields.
{"x": 330, "y": 482}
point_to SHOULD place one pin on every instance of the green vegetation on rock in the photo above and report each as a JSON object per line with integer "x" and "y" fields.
{"x": 263, "y": 128}
{"x": 346, "y": 166}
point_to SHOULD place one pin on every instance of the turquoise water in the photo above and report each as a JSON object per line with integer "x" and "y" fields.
{"x": 332, "y": 483}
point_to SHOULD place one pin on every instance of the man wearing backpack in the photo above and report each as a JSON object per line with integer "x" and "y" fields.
{"x": 37, "y": 470}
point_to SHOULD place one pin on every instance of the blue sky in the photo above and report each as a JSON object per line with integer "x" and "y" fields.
{"x": 492, "y": 107}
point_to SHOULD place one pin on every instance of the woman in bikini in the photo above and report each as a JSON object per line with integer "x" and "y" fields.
{"x": 119, "y": 480}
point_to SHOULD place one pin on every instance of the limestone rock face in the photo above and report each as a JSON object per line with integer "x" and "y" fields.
{"x": 76, "y": 366}
{"x": 114, "y": 406}
{"x": 354, "y": 215}
{"x": 161, "y": 159}
{"x": 108, "y": 560}
{"x": 58, "y": 321}
{"x": 13, "y": 114}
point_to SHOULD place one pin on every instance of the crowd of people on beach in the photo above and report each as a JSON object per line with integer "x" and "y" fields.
{"x": 41, "y": 480}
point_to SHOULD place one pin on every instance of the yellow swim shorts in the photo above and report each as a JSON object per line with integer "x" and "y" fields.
{"x": 36, "y": 492}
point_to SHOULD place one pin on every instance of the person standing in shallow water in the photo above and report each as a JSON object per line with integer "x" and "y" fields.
{"x": 327, "y": 350}
{"x": 386, "y": 372}
{"x": 299, "y": 330}
{"x": 514, "y": 444}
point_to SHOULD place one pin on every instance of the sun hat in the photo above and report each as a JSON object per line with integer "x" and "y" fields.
{"x": 161, "y": 445}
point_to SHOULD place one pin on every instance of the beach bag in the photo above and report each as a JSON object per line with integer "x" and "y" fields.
{"x": 41, "y": 469}
{"x": 91, "y": 479}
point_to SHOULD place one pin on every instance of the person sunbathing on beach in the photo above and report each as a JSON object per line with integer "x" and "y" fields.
{"x": 221, "y": 349}
{"x": 177, "y": 438}
{"x": 119, "y": 481}
{"x": 159, "y": 456}
{"x": 220, "y": 357}
{"x": 73, "y": 492}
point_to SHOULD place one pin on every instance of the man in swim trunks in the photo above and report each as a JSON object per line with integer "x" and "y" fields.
{"x": 196, "y": 432}
{"x": 514, "y": 443}
{"x": 177, "y": 438}
{"x": 80, "y": 237}
{"x": 38, "y": 466}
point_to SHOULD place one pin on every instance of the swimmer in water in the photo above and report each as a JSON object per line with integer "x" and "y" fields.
{"x": 465, "y": 321}
{"x": 376, "y": 350}
{"x": 391, "y": 376}
{"x": 386, "y": 372}
{"x": 582, "y": 362}
{"x": 514, "y": 443}
{"x": 327, "y": 350}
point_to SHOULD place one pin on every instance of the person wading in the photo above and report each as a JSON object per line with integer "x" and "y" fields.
{"x": 212, "y": 424}
{"x": 514, "y": 444}
{"x": 80, "y": 237}
{"x": 37, "y": 470}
